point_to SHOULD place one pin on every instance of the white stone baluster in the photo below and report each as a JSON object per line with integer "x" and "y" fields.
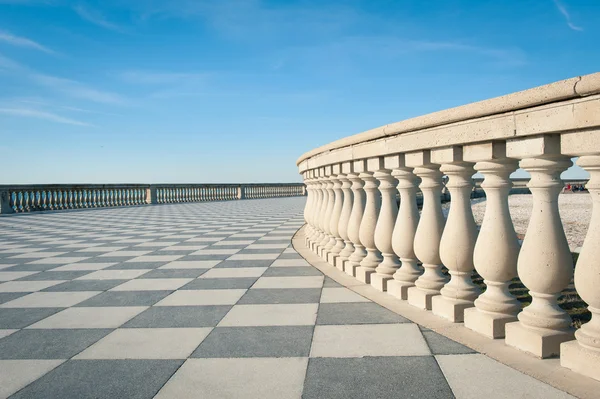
{"x": 405, "y": 228}
{"x": 429, "y": 231}
{"x": 384, "y": 229}
{"x": 322, "y": 211}
{"x": 336, "y": 243}
{"x": 328, "y": 211}
{"x": 497, "y": 247}
{"x": 309, "y": 203}
{"x": 458, "y": 239}
{"x": 347, "y": 247}
{"x": 369, "y": 221}
{"x": 358, "y": 209}
{"x": 545, "y": 265}
{"x": 583, "y": 354}
{"x": 320, "y": 191}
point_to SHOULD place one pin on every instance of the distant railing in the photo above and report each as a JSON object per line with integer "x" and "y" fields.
{"x": 54, "y": 197}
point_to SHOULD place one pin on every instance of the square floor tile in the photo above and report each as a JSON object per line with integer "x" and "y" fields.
{"x": 49, "y": 344}
{"x": 237, "y": 243}
{"x": 271, "y": 315}
{"x": 9, "y": 276}
{"x": 212, "y": 378}
{"x": 84, "y": 285}
{"x": 125, "y": 254}
{"x": 202, "y": 297}
{"x": 175, "y": 273}
{"x": 52, "y": 275}
{"x": 219, "y": 283}
{"x": 9, "y": 296}
{"x": 57, "y": 261}
{"x": 290, "y": 263}
{"x": 281, "y": 295}
{"x": 230, "y": 264}
{"x": 266, "y": 256}
{"x": 272, "y": 341}
{"x": 136, "y": 266}
{"x": 375, "y": 377}
{"x": 27, "y": 286}
{"x": 358, "y": 341}
{"x": 152, "y": 284}
{"x": 50, "y": 299}
{"x": 84, "y": 266}
{"x": 220, "y": 251}
{"x": 290, "y": 282}
{"x": 155, "y": 258}
{"x": 16, "y": 374}
{"x": 179, "y": 317}
{"x": 147, "y": 343}
{"x": 357, "y": 313}
{"x": 341, "y": 295}
{"x": 236, "y": 272}
{"x": 90, "y": 317}
{"x": 21, "y": 318}
{"x": 292, "y": 271}
{"x": 199, "y": 264}
{"x": 441, "y": 345}
{"x": 114, "y": 274}
{"x": 125, "y": 298}
{"x": 102, "y": 379}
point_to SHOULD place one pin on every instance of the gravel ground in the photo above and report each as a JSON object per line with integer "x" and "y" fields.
{"x": 575, "y": 212}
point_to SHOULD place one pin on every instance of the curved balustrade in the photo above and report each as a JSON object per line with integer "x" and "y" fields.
{"x": 397, "y": 251}
{"x": 32, "y": 198}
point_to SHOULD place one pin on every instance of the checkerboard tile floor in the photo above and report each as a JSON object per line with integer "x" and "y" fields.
{"x": 206, "y": 300}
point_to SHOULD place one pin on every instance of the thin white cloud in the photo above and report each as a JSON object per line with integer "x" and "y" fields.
{"x": 565, "y": 13}
{"x": 76, "y": 89}
{"x": 37, "y": 114}
{"x": 18, "y": 41}
{"x": 96, "y": 17}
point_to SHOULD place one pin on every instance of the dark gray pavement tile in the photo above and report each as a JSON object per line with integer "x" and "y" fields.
{"x": 356, "y": 313}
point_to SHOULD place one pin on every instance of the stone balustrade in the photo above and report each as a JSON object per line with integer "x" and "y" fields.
{"x": 355, "y": 223}
{"x": 42, "y": 197}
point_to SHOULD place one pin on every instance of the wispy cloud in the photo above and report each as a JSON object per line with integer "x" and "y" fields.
{"x": 96, "y": 17}
{"x": 18, "y": 41}
{"x": 37, "y": 114}
{"x": 77, "y": 89}
{"x": 565, "y": 13}
{"x": 152, "y": 77}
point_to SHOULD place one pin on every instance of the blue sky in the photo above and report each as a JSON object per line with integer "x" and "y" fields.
{"x": 236, "y": 90}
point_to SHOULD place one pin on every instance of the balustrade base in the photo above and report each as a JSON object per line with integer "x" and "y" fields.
{"x": 380, "y": 281}
{"x": 538, "y": 342}
{"x": 487, "y": 324}
{"x": 580, "y": 359}
{"x": 399, "y": 289}
{"x": 363, "y": 274}
{"x": 339, "y": 263}
{"x": 450, "y": 309}
{"x": 420, "y": 298}
{"x": 331, "y": 257}
{"x": 350, "y": 269}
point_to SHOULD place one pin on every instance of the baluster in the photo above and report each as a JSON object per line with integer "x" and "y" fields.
{"x": 583, "y": 354}
{"x": 458, "y": 239}
{"x": 309, "y": 205}
{"x": 545, "y": 265}
{"x": 348, "y": 198}
{"x": 336, "y": 243}
{"x": 497, "y": 247}
{"x": 384, "y": 228}
{"x": 316, "y": 209}
{"x": 44, "y": 199}
{"x": 429, "y": 231}
{"x": 356, "y": 216}
{"x": 369, "y": 221}
{"x": 328, "y": 210}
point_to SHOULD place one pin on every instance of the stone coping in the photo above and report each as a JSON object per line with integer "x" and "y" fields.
{"x": 546, "y": 370}
{"x": 568, "y": 89}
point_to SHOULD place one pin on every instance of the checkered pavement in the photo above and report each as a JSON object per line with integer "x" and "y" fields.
{"x": 204, "y": 300}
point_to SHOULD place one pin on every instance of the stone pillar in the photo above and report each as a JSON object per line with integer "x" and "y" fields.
{"x": 358, "y": 209}
{"x": 316, "y": 217}
{"x": 308, "y": 181}
{"x": 429, "y": 231}
{"x": 347, "y": 248}
{"x": 385, "y": 228}
{"x": 545, "y": 265}
{"x": 583, "y": 355}
{"x": 405, "y": 228}
{"x": 458, "y": 239}
{"x": 322, "y": 210}
{"x": 369, "y": 221}
{"x": 151, "y": 195}
{"x": 327, "y": 213}
{"x": 336, "y": 243}
{"x": 497, "y": 247}
{"x": 5, "y": 207}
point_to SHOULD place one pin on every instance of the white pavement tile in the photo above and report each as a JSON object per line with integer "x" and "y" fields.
{"x": 152, "y": 284}
{"x": 234, "y": 272}
{"x": 340, "y": 295}
{"x": 237, "y": 378}
{"x": 37, "y": 255}
{"x": 155, "y": 258}
{"x": 6, "y": 333}
{"x": 50, "y": 299}
{"x": 204, "y": 239}
{"x": 83, "y": 266}
{"x": 191, "y": 264}
{"x": 6, "y": 265}
{"x": 183, "y": 248}
{"x": 16, "y": 374}
{"x": 267, "y": 246}
{"x": 57, "y": 261}
{"x": 117, "y": 254}
{"x": 289, "y": 263}
{"x": 157, "y": 244}
{"x": 233, "y": 242}
{"x": 254, "y": 256}
{"x": 114, "y": 274}
{"x": 271, "y": 315}
{"x": 289, "y": 282}
{"x": 101, "y": 249}
{"x": 403, "y": 339}
{"x": 147, "y": 343}
{"x": 216, "y": 252}
{"x": 28, "y": 286}
{"x": 90, "y": 317}
{"x": 202, "y": 297}
{"x": 9, "y": 276}
{"x": 478, "y": 376}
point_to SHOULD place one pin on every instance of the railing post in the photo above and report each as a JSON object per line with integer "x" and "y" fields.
{"x": 5, "y": 207}
{"x": 241, "y": 192}
{"x": 151, "y": 195}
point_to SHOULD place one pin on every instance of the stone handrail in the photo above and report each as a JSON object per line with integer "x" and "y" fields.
{"x": 53, "y": 197}
{"x": 355, "y": 223}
